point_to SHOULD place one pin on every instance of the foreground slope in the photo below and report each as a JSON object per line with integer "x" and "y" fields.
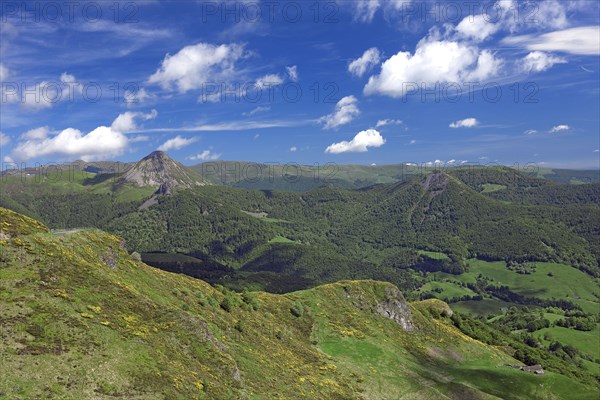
{"x": 83, "y": 319}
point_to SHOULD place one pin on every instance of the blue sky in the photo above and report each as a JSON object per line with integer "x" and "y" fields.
{"x": 375, "y": 81}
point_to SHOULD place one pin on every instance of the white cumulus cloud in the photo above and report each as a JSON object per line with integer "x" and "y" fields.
{"x": 476, "y": 27}
{"x": 67, "y": 78}
{"x": 138, "y": 139}
{"x": 361, "y": 65}
{"x": 512, "y": 15}
{"x": 345, "y": 111}
{"x": 176, "y": 143}
{"x": 268, "y": 81}
{"x": 360, "y": 143}
{"x": 195, "y": 65}
{"x": 36, "y": 134}
{"x": 102, "y": 142}
{"x": 206, "y": 155}
{"x": 465, "y": 123}
{"x": 127, "y": 121}
{"x": 132, "y": 97}
{"x": 434, "y": 61}
{"x": 292, "y": 73}
{"x": 552, "y": 13}
{"x": 39, "y": 96}
{"x": 560, "y": 128}
{"x": 538, "y": 61}
{"x": 44, "y": 94}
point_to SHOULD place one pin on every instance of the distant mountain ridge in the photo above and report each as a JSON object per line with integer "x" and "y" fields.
{"x": 158, "y": 169}
{"x": 295, "y": 177}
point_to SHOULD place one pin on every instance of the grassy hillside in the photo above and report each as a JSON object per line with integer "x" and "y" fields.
{"x": 548, "y": 281}
{"x": 83, "y": 319}
{"x": 70, "y": 198}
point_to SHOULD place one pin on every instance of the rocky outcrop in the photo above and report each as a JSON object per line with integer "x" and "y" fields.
{"x": 435, "y": 183}
{"x": 396, "y": 308}
{"x": 165, "y": 189}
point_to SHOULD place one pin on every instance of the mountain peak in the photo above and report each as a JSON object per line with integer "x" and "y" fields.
{"x": 158, "y": 154}
{"x": 158, "y": 170}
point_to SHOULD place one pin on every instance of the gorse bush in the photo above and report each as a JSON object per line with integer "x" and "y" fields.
{"x": 251, "y": 300}
{"x": 240, "y": 326}
{"x": 297, "y": 309}
{"x": 201, "y": 298}
{"x": 230, "y": 301}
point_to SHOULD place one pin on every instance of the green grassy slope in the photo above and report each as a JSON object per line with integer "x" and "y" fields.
{"x": 586, "y": 342}
{"x": 82, "y": 319}
{"x": 71, "y": 198}
{"x": 549, "y": 281}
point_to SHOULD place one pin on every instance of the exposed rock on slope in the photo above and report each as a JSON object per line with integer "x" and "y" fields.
{"x": 396, "y": 308}
{"x": 435, "y": 183}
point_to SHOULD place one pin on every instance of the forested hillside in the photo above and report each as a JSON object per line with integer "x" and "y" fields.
{"x": 491, "y": 214}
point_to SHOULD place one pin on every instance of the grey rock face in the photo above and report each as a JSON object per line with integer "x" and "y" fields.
{"x": 396, "y": 308}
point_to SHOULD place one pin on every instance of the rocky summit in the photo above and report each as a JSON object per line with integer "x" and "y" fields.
{"x": 162, "y": 172}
